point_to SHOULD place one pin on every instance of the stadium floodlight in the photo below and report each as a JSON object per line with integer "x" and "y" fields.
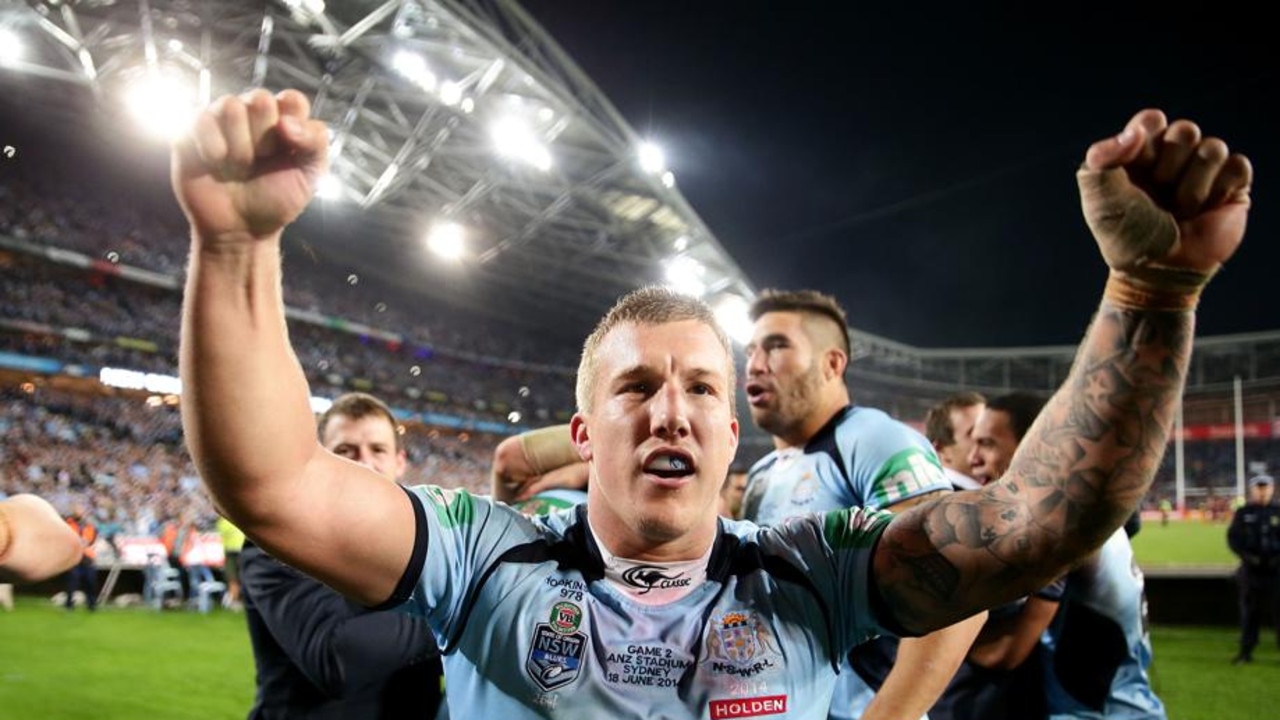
{"x": 414, "y": 68}
{"x": 162, "y": 104}
{"x": 467, "y": 105}
{"x": 514, "y": 139}
{"x": 733, "y": 314}
{"x": 682, "y": 243}
{"x": 513, "y": 416}
{"x": 652, "y": 159}
{"x": 448, "y": 240}
{"x": 10, "y": 46}
{"x": 668, "y": 179}
{"x": 450, "y": 93}
{"x": 684, "y": 275}
{"x": 328, "y": 187}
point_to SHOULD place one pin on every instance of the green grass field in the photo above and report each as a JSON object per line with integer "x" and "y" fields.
{"x": 135, "y": 664}
{"x": 1183, "y": 544}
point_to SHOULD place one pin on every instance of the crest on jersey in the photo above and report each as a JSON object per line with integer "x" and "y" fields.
{"x": 803, "y": 492}
{"x": 557, "y": 647}
{"x": 739, "y": 638}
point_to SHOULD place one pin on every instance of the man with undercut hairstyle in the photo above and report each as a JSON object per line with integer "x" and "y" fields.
{"x": 643, "y": 599}
{"x": 831, "y": 454}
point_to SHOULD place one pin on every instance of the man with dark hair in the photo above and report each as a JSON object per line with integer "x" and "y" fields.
{"x": 949, "y": 429}
{"x": 644, "y": 598}
{"x": 1254, "y": 536}
{"x": 831, "y": 454}
{"x": 1000, "y": 426}
{"x": 319, "y": 655}
{"x": 1001, "y": 675}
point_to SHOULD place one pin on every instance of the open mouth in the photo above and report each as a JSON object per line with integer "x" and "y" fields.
{"x": 756, "y": 393}
{"x": 669, "y": 465}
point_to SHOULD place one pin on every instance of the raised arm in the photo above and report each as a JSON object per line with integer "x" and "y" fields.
{"x": 537, "y": 460}
{"x": 246, "y": 170}
{"x": 35, "y": 542}
{"x": 1167, "y": 208}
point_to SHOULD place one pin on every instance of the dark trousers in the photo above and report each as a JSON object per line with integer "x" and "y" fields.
{"x": 1256, "y": 591}
{"x": 83, "y": 576}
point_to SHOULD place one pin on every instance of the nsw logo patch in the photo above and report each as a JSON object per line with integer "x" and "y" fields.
{"x": 555, "y": 655}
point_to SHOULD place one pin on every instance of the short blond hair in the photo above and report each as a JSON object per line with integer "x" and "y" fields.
{"x": 649, "y": 306}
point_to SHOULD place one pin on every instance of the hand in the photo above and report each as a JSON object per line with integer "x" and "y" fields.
{"x": 249, "y": 165}
{"x": 1161, "y": 193}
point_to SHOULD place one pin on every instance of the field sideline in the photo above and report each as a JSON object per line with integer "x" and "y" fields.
{"x": 137, "y": 664}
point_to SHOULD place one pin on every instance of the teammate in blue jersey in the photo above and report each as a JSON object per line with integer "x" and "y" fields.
{"x": 1098, "y": 649}
{"x": 643, "y": 602}
{"x": 830, "y": 455}
{"x": 538, "y": 471}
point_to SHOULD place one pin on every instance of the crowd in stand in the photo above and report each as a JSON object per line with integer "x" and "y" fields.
{"x": 123, "y": 458}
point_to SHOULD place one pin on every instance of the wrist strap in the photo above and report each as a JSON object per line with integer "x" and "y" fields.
{"x": 1156, "y": 287}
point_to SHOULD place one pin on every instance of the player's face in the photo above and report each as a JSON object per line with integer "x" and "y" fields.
{"x": 659, "y": 435}
{"x": 370, "y": 441}
{"x": 783, "y": 377}
{"x": 956, "y": 455}
{"x": 993, "y": 446}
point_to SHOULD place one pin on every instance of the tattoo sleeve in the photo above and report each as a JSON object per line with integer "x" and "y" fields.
{"x": 1080, "y": 471}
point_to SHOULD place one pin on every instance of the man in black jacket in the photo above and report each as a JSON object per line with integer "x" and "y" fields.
{"x": 319, "y": 655}
{"x": 1254, "y": 535}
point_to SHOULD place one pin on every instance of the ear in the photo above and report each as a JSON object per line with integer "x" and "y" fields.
{"x": 835, "y": 361}
{"x": 581, "y": 436}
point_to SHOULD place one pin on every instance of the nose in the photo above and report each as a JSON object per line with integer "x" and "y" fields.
{"x": 974, "y": 459}
{"x": 756, "y": 364}
{"x": 364, "y": 457}
{"x": 669, "y": 413}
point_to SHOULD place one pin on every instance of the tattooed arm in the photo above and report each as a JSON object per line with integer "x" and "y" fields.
{"x": 1167, "y": 207}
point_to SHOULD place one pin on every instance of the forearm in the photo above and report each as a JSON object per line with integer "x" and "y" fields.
{"x": 1078, "y": 473}
{"x": 246, "y": 414}
{"x": 35, "y": 543}
{"x": 924, "y": 667}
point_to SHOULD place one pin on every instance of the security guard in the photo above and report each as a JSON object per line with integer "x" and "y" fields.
{"x": 1254, "y": 535}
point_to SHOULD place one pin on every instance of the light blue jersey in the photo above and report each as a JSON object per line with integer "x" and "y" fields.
{"x": 1098, "y": 646}
{"x": 861, "y": 458}
{"x": 530, "y": 628}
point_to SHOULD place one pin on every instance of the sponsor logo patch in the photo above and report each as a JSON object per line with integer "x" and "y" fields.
{"x": 749, "y": 707}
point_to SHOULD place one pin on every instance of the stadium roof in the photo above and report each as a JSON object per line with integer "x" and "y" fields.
{"x": 440, "y": 111}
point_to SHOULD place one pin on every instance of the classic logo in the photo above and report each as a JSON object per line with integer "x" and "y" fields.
{"x": 565, "y": 617}
{"x": 555, "y": 658}
{"x": 649, "y": 577}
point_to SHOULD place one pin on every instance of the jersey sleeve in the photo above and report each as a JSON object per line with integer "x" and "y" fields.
{"x": 834, "y": 550}
{"x": 889, "y": 462}
{"x": 463, "y": 535}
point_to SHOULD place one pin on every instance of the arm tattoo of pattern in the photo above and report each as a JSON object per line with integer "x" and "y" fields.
{"x": 1079, "y": 472}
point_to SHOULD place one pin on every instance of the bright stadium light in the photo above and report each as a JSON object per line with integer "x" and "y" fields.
{"x": 733, "y": 314}
{"x": 668, "y": 179}
{"x": 450, "y": 93}
{"x": 414, "y": 68}
{"x": 328, "y": 187}
{"x": 162, "y": 104}
{"x": 684, "y": 275}
{"x": 652, "y": 159}
{"x": 448, "y": 240}
{"x": 514, "y": 139}
{"x": 681, "y": 243}
{"x": 10, "y": 46}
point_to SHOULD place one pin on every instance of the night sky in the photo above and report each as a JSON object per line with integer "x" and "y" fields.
{"x": 918, "y": 160}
